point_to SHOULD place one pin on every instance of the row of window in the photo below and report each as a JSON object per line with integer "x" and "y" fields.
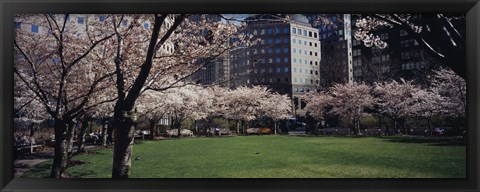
{"x": 271, "y": 41}
{"x": 270, "y": 60}
{"x": 408, "y": 43}
{"x": 80, "y": 20}
{"x": 301, "y": 90}
{"x": 416, "y": 65}
{"x": 302, "y": 80}
{"x": 305, "y": 52}
{"x": 270, "y": 31}
{"x": 305, "y": 32}
{"x": 410, "y": 54}
{"x": 269, "y": 51}
{"x": 304, "y": 61}
{"x": 306, "y": 71}
{"x": 305, "y": 43}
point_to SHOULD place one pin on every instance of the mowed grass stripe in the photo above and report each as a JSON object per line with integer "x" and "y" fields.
{"x": 281, "y": 157}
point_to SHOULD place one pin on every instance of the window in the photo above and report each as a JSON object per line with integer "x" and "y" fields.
{"x": 285, "y": 50}
{"x": 35, "y": 28}
{"x": 255, "y": 32}
{"x": 295, "y": 80}
{"x": 262, "y": 51}
{"x": 311, "y": 53}
{"x": 306, "y": 62}
{"x": 285, "y": 30}
{"x": 300, "y": 61}
{"x": 277, "y": 50}
{"x": 300, "y": 70}
{"x": 285, "y": 40}
{"x": 299, "y": 51}
{"x": 286, "y": 79}
{"x": 270, "y": 31}
{"x": 262, "y": 32}
{"x": 294, "y": 50}
{"x": 278, "y": 70}
{"x": 310, "y": 34}
{"x": 296, "y": 89}
{"x": 316, "y": 53}
{"x": 56, "y": 60}
{"x": 270, "y": 50}
{"x": 294, "y": 41}
{"x": 304, "y": 42}
{"x": 301, "y": 81}
{"x": 299, "y": 41}
{"x": 403, "y": 33}
{"x": 285, "y": 59}
{"x": 304, "y": 32}
{"x": 294, "y": 60}
{"x": 278, "y": 40}
{"x": 17, "y": 25}
{"x": 285, "y": 70}
{"x": 315, "y": 44}
{"x": 294, "y": 69}
{"x": 146, "y": 25}
{"x": 80, "y": 20}
{"x": 315, "y": 35}
{"x": 269, "y": 41}
{"x": 310, "y": 44}
{"x": 294, "y": 30}
{"x": 278, "y": 60}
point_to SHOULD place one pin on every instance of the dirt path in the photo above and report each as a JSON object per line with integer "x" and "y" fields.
{"x": 26, "y": 162}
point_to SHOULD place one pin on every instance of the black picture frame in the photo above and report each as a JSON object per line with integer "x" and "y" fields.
{"x": 10, "y": 7}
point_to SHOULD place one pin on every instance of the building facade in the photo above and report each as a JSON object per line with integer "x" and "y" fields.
{"x": 285, "y": 57}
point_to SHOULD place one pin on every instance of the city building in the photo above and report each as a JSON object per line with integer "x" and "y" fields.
{"x": 285, "y": 58}
{"x": 336, "y": 36}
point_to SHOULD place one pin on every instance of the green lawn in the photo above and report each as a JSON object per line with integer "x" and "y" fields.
{"x": 283, "y": 157}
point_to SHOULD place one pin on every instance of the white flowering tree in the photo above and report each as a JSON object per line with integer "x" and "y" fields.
{"x": 277, "y": 107}
{"x": 453, "y": 90}
{"x": 317, "y": 104}
{"x": 158, "y": 52}
{"x": 441, "y": 35}
{"x": 350, "y": 100}
{"x": 427, "y": 104}
{"x": 243, "y": 104}
{"x": 57, "y": 65}
{"x": 395, "y": 99}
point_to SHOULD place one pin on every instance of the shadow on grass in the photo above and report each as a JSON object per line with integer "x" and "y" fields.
{"x": 433, "y": 141}
{"x": 41, "y": 170}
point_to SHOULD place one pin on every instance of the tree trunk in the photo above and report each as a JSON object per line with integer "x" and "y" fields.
{"x": 275, "y": 127}
{"x": 152, "y": 129}
{"x": 429, "y": 126}
{"x": 60, "y": 154}
{"x": 110, "y": 130}
{"x": 81, "y": 136}
{"x": 69, "y": 140}
{"x": 124, "y": 135}
{"x": 238, "y": 127}
{"x": 104, "y": 132}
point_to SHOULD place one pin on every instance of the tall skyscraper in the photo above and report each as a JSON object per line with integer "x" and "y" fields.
{"x": 286, "y": 57}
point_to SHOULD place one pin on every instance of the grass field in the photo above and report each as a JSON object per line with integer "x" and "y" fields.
{"x": 281, "y": 157}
